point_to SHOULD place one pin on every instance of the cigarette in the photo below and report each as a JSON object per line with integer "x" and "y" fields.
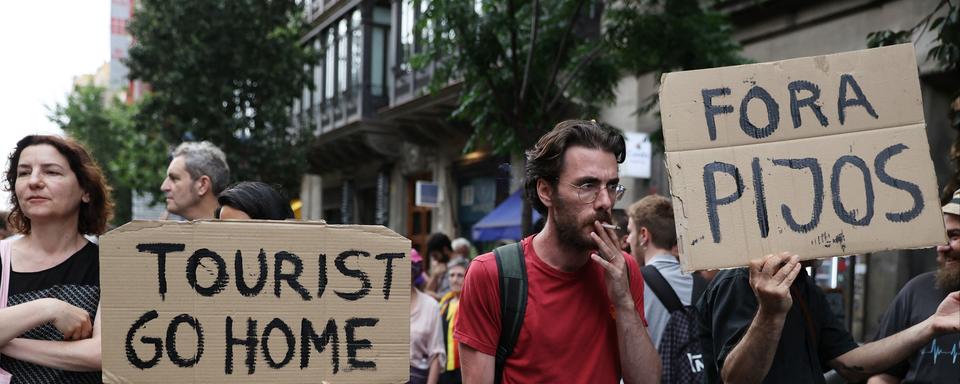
{"x": 609, "y": 226}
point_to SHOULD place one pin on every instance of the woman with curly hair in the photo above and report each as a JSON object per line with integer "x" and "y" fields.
{"x": 50, "y": 285}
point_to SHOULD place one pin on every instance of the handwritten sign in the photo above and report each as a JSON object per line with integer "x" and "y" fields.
{"x": 255, "y": 301}
{"x": 821, "y": 156}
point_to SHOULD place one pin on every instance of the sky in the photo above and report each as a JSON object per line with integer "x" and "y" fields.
{"x": 44, "y": 44}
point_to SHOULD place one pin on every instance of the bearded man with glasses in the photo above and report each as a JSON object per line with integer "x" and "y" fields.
{"x": 583, "y": 319}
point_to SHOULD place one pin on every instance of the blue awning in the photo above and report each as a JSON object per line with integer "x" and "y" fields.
{"x": 503, "y": 222}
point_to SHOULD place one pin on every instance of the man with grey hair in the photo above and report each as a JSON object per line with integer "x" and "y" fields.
{"x": 196, "y": 175}
{"x": 461, "y": 249}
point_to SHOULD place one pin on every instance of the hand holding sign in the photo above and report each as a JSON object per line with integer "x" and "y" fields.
{"x": 770, "y": 278}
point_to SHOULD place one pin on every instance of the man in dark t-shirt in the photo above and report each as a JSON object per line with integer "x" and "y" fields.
{"x": 938, "y": 361}
{"x": 762, "y": 324}
{"x": 728, "y": 308}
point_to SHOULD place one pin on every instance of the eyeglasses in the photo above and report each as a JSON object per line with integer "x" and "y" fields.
{"x": 588, "y": 192}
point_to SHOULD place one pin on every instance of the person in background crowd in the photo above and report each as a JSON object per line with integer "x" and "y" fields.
{"x": 583, "y": 319}
{"x": 916, "y": 302}
{"x": 196, "y": 175}
{"x": 50, "y": 324}
{"x": 427, "y": 353}
{"x": 252, "y": 200}
{"x": 462, "y": 249}
{"x": 770, "y": 323}
{"x": 652, "y": 237}
{"x": 620, "y": 220}
{"x": 439, "y": 253}
{"x": 419, "y": 276}
{"x": 449, "y": 304}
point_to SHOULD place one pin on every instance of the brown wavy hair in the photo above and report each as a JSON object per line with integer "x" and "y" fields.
{"x": 545, "y": 159}
{"x": 93, "y": 215}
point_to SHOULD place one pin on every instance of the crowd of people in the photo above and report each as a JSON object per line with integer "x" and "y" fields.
{"x": 573, "y": 304}
{"x": 596, "y": 295}
{"x": 434, "y": 303}
{"x": 50, "y": 281}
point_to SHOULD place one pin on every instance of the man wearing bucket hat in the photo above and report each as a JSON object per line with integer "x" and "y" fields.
{"x": 937, "y": 361}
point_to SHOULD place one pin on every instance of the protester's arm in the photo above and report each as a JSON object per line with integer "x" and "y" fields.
{"x": 433, "y": 375}
{"x": 79, "y": 355}
{"x": 73, "y": 322}
{"x": 638, "y": 358}
{"x": 750, "y": 360}
{"x": 879, "y": 355}
{"x": 883, "y": 378}
{"x": 475, "y": 366}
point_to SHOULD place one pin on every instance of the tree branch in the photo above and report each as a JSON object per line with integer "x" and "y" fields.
{"x": 512, "y": 12}
{"x": 926, "y": 20}
{"x": 465, "y": 51}
{"x": 535, "y": 27}
{"x": 573, "y": 74}
{"x": 563, "y": 47}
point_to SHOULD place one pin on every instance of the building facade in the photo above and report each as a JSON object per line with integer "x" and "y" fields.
{"x": 380, "y": 132}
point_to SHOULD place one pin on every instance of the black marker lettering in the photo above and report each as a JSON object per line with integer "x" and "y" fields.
{"x": 710, "y": 189}
{"x": 346, "y": 271}
{"x": 194, "y": 262}
{"x": 773, "y": 113}
{"x": 157, "y": 343}
{"x": 710, "y": 111}
{"x": 161, "y": 250}
{"x": 842, "y": 213}
{"x": 880, "y": 163}
{"x": 817, "y": 174}
{"x": 354, "y": 344}
{"x": 861, "y": 100}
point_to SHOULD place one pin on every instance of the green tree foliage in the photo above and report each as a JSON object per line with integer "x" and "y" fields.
{"x": 133, "y": 160}
{"x": 226, "y": 71}
{"x": 944, "y": 22}
{"x": 526, "y": 65}
{"x": 663, "y": 36}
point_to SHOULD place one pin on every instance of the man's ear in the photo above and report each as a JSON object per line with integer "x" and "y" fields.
{"x": 204, "y": 185}
{"x": 545, "y": 192}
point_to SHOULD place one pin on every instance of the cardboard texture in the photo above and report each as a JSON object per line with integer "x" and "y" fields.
{"x": 820, "y": 156}
{"x": 340, "y": 294}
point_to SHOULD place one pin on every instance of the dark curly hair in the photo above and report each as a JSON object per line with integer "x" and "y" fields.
{"x": 94, "y": 215}
{"x": 545, "y": 159}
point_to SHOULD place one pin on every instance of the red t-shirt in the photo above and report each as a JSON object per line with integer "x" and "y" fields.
{"x": 569, "y": 333}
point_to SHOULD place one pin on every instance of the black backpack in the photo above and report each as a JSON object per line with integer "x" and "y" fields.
{"x": 680, "y": 353}
{"x": 513, "y": 301}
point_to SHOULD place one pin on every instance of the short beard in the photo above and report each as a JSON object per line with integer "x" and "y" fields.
{"x": 948, "y": 279}
{"x": 569, "y": 230}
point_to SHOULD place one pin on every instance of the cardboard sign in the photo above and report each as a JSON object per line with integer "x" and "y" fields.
{"x": 820, "y": 156}
{"x": 254, "y": 302}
